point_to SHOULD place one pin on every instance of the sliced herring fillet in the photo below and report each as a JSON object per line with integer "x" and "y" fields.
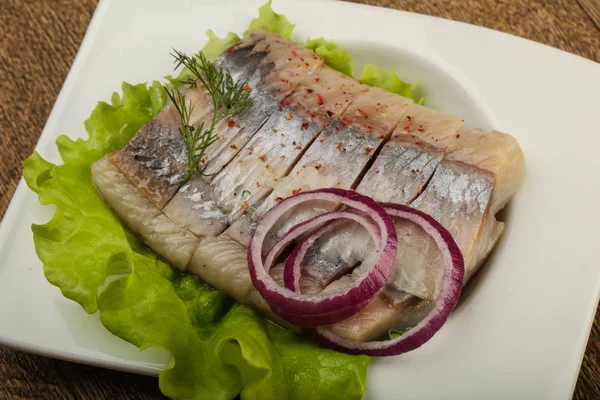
{"x": 336, "y": 159}
{"x": 398, "y": 175}
{"x": 155, "y": 160}
{"x": 274, "y": 150}
{"x": 172, "y": 242}
{"x": 273, "y": 67}
{"x": 319, "y": 98}
{"x": 278, "y": 68}
{"x": 475, "y": 180}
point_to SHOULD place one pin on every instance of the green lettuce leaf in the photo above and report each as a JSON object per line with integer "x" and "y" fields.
{"x": 112, "y": 125}
{"x": 84, "y": 242}
{"x": 218, "y": 348}
{"x": 215, "y": 46}
{"x": 335, "y": 57}
{"x": 270, "y": 21}
{"x": 388, "y": 80}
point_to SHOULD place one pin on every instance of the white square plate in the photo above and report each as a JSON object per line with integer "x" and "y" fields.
{"x": 521, "y": 328}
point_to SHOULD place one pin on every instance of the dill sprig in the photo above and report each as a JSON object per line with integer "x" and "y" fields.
{"x": 228, "y": 96}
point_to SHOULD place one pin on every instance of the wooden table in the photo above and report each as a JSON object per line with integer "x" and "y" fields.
{"x": 40, "y": 40}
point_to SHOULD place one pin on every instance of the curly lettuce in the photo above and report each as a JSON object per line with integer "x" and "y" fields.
{"x": 335, "y": 57}
{"x": 219, "y": 349}
{"x": 388, "y": 80}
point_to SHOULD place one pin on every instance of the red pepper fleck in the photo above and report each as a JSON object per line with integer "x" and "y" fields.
{"x": 302, "y": 59}
{"x": 306, "y": 64}
{"x": 231, "y": 123}
{"x": 408, "y": 118}
{"x": 315, "y": 58}
{"x": 321, "y": 99}
{"x": 280, "y": 108}
{"x": 368, "y": 150}
{"x": 263, "y": 158}
{"x": 346, "y": 120}
{"x": 297, "y": 74}
{"x": 309, "y": 90}
{"x": 250, "y": 153}
{"x": 406, "y": 127}
{"x": 458, "y": 135}
{"x": 376, "y": 171}
{"x": 203, "y": 161}
{"x": 247, "y": 88}
{"x": 320, "y": 140}
{"x": 317, "y": 80}
{"x": 294, "y": 53}
{"x": 296, "y": 191}
{"x": 257, "y": 184}
{"x": 245, "y": 212}
{"x": 304, "y": 126}
{"x": 361, "y": 113}
{"x": 233, "y": 146}
{"x": 284, "y": 80}
{"x": 337, "y": 128}
{"x": 420, "y": 128}
{"x": 285, "y": 103}
{"x": 341, "y": 147}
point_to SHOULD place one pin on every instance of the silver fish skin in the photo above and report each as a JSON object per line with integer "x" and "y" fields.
{"x": 270, "y": 155}
{"x": 272, "y": 68}
{"x": 274, "y": 150}
{"x": 337, "y": 158}
{"x": 398, "y": 175}
{"x": 478, "y": 175}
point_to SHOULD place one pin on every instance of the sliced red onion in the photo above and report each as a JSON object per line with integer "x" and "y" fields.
{"x": 454, "y": 270}
{"x": 321, "y": 309}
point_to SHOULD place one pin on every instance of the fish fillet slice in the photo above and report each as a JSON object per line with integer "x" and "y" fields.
{"x": 272, "y": 151}
{"x": 172, "y": 242}
{"x": 277, "y": 69}
{"x": 478, "y": 175}
{"x": 155, "y": 160}
{"x": 338, "y": 157}
{"x": 280, "y": 67}
{"x": 319, "y": 98}
{"x": 399, "y": 174}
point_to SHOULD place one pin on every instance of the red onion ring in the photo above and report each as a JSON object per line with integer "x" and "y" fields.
{"x": 322, "y": 309}
{"x": 454, "y": 270}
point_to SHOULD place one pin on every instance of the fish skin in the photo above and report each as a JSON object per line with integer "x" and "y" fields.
{"x": 478, "y": 175}
{"x": 398, "y": 175}
{"x": 172, "y": 242}
{"x": 270, "y": 77}
{"x": 280, "y": 142}
{"x": 155, "y": 160}
{"x": 336, "y": 159}
{"x": 276, "y": 67}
